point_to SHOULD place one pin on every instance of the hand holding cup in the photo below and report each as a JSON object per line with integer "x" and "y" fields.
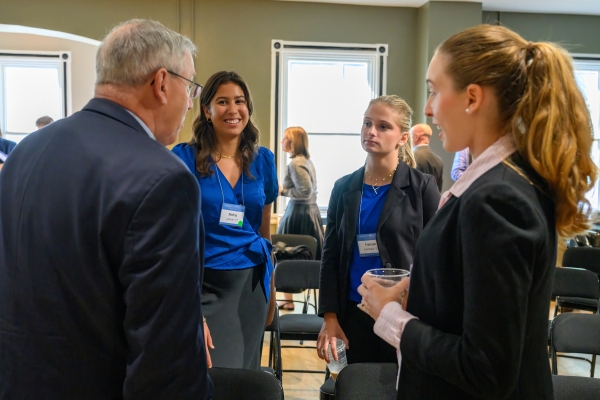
{"x": 377, "y": 290}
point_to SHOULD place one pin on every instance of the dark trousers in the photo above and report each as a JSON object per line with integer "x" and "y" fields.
{"x": 235, "y": 308}
{"x": 365, "y": 345}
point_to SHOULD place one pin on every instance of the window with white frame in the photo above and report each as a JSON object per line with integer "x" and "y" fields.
{"x": 324, "y": 88}
{"x": 32, "y": 85}
{"x": 587, "y": 75}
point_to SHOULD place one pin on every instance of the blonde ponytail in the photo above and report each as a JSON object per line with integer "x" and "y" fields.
{"x": 539, "y": 104}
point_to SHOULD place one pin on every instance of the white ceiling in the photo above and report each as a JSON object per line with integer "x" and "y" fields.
{"x": 589, "y": 7}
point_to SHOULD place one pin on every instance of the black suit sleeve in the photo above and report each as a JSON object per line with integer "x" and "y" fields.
{"x": 502, "y": 235}
{"x": 330, "y": 259}
{"x": 431, "y": 200}
{"x": 160, "y": 276}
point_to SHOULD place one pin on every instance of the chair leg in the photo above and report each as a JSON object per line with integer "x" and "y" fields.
{"x": 271, "y": 364}
{"x": 554, "y": 365}
{"x": 306, "y": 301}
{"x": 593, "y": 365}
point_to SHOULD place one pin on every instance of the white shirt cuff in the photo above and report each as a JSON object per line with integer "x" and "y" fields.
{"x": 391, "y": 322}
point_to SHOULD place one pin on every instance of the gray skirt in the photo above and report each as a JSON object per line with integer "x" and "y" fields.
{"x": 303, "y": 219}
{"x": 235, "y": 308}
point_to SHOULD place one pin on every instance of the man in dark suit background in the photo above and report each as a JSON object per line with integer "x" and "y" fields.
{"x": 101, "y": 238}
{"x": 427, "y": 161}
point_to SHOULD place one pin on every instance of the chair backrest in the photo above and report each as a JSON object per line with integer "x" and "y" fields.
{"x": 297, "y": 240}
{"x": 297, "y": 274}
{"x": 576, "y": 333}
{"x": 575, "y": 387}
{"x": 582, "y": 257}
{"x": 576, "y": 282}
{"x": 367, "y": 381}
{"x": 244, "y": 384}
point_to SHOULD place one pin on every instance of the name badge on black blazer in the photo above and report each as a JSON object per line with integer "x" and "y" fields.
{"x": 367, "y": 245}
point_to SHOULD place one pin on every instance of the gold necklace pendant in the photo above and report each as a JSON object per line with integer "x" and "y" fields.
{"x": 224, "y": 156}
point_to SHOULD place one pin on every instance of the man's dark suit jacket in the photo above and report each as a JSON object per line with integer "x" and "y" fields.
{"x": 430, "y": 163}
{"x": 100, "y": 265}
{"x": 480, "y": 286}
{"x": 410, "y": 203}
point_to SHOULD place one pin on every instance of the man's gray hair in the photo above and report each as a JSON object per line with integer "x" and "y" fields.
{"x": 135, "y": 49}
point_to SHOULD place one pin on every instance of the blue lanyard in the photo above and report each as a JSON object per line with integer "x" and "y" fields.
{"x": 221, "y": 186}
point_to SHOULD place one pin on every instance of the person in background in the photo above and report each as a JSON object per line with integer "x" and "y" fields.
{"x": 238, "y": 182}
{"x": 462, "y": 159}
{"x": 6, "y": 147}
{"x": 427, "y": 161}
{"x": 100, "y": 282}
{"x": 43, "y": 121}
{"x": 476, "y": 321}
{"x": 302, "y": 215}
{"x": 382, "y": 206}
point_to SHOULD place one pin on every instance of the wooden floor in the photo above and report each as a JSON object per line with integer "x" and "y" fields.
{"x": 306, "y": 386}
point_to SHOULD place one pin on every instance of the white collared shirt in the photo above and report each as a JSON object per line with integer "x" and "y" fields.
{"x": 138, "y": 119}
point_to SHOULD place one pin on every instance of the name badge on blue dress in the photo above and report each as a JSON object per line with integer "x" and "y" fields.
{"x": 367, "y": 245}
{"x": 232, "y": 215}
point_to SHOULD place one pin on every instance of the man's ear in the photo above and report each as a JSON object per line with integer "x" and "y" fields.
{"x": 160, "y": 85}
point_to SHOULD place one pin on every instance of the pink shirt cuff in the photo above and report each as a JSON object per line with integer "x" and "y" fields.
{"x": 391, "y": 322}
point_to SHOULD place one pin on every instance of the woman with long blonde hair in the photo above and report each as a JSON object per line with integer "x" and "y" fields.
{"x": 383, "y": 206}
{"x": 475, "y": 324}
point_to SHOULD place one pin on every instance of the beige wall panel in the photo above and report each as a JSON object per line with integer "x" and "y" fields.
{"x": 83, "y": 56}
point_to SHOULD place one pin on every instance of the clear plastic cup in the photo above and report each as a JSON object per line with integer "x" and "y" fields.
{"x": 388, "y": 277}
{"x": 336, "y": 366}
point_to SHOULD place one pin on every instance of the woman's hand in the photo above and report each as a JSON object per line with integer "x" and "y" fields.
{"x": 375, "y": 296}
{"x": 208, "y": 344}
{"x": 330, "y": 331}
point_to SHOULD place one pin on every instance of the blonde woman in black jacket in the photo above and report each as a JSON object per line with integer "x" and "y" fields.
{"x": 387, "y": 198}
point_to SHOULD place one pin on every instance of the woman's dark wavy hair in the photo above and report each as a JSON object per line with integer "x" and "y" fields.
{"x": 203, "y": 133}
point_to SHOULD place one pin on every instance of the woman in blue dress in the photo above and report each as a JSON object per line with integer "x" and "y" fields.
{"x": 238, "y": 183}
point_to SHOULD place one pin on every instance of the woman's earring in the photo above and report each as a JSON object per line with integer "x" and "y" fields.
{"x": 467, "y": 111}
{"x": 208, "y": 120}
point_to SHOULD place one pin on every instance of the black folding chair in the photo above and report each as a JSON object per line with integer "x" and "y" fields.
{"x": 293, "y": 241}
{"x": 586, "y": 258}
{"x": 244, "y": 384}
{"x": 576, "y": 284}
{"x": 575, "y": 388}
{"x": 367, "y": 381}
{"x": 293, "y": 275}
{"x": 575, "y": 333}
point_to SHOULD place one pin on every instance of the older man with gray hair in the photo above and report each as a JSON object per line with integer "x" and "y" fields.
{"x": 427, "y": 161}
{"x": 101, "y": 238}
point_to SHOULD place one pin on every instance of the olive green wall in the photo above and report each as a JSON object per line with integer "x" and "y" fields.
{"x": 236, "y": 34}
{"x": 439, "y": 20}
{"x": 578, "y": 33}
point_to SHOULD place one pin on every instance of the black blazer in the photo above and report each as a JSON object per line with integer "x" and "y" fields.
{"x": 430, "y": 163}
{"x": 410, "y": 203}
{"x": 480, "y": 286}
{"x": 100, "y": 266}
